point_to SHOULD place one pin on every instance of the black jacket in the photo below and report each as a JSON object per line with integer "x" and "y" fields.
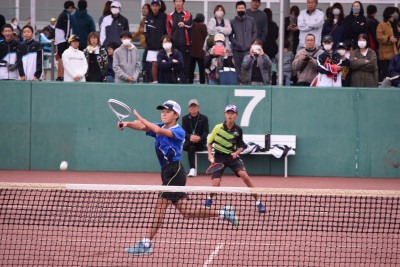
{"x": 28, "y": 49}
{"x": 154, "y": 28}
{"x": 353, "y": 27}
{"x": 63, "y": 27}
{"x": 202, "y": 128}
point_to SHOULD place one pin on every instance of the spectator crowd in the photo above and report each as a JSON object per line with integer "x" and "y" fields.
{"x": 335, "y": 48}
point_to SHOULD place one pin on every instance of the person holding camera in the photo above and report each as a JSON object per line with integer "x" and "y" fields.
{"x": 219, "y": 58}
{"x": 257, "y": 65}
{"x": 305, "y": 62}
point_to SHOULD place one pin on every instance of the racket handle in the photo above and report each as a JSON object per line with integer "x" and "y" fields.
{"x": 121, "y": 125}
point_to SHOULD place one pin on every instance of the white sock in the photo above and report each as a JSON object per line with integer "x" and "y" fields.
{"x": 258, "y": 202}
{"x": 209, "y": 197}
{"x": 222, "y": 213}
{"x": 146, "y": 242}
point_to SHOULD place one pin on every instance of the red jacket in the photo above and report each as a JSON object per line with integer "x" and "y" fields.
{"x": 181, "y": 35}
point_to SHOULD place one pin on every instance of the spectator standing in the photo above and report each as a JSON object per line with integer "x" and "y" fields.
{"x": 305, "y": 63}
{"x": 196, "y": 129}
{"x": 62, "y": 33}
{"x": 155, "y": 27}
{"x": 29, "y": 57}
{"x": 45, "y": 37}
{"x": 291, "y": 29}
{"x": 197, "y": 54}
{"x": 257, "y": 64}
{"x": 82, "y": 23}
{"x": 310, "y": 21}
{"x": 14, "y": 24}
{"x": 146, "y": 66}
{"x": 244, "y": 31}
{"x": 355, "y": 23}
{"x": 113, "y": 25}
{"x": 96, "y": 57}
{"x": 270, "y": 46}
{"x": 287, "y": 62}
{"x": 106, "y": 12}
{"x": 334, "y": 25}
{"x": 260, "y": 18}
{"x": 126, "y": 62}
{"x": 179, "y": 22}
{"x": 387, "y": 35}
{"x": 52, "y": 27}
{"x": 394, "y": 70}
{"x": 8, "y": 54}
{"x": 345, "y": 72}
{"x": 75, "y": 64}
{"x": 218, "y": 24}
{"x": 218, "y": 59}
{"x": 110, "y": 58}
{"x": 170, "y": 62}
{"x": 372, "y": 24}
{"x": 328, "y": 65}
{"x": 364, "y": 64}
{"x": 2, "y": 23}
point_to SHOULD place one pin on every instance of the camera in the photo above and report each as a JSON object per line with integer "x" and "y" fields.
{"x": 307, "y": 59}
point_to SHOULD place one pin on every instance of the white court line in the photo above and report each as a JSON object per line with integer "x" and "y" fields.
{"x": 215, "y": 252}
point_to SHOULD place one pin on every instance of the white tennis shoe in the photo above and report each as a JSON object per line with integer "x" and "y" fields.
{"x": 192, "y": 172}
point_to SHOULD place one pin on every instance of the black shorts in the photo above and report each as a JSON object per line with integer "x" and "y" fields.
{"x": 173, "y": 174}
{"x": 235, "y": 164}
{"x": 61, "y": 47}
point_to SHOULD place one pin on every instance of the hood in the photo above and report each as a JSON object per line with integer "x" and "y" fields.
{"x": 80, "y": 13}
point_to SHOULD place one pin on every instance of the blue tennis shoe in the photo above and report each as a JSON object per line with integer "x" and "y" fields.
{"x": 139, "y": 249}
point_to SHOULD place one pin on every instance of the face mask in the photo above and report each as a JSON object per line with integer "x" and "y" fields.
{"x": 219, "y": 14}
{"x": 362, "y": 44}
{"x": 114, "y": 10}
{"x": 356, "y": 10}
{"x": 241, "y": 13}
{"x": 327, "y": 47}
{"x": 341, "y": 52}
{"x": 126, "y": 42}
{"x": 219, "y": 44}
{"x": 396, "y": 16}
{"x": 167, "y": 46}
{"x": 336, "y": 12}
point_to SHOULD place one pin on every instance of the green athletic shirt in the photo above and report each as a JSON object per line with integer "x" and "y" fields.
{"x": 226, "y": 140}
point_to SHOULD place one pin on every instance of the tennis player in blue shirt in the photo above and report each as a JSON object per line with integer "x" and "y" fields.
{"x": 169, "y": 139}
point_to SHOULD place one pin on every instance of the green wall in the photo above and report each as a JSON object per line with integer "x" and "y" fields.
{"x": 340, "y": 132}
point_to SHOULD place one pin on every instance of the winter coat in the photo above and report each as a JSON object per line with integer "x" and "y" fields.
{"x": 244, "y": 32}
{"x": 30, "y": 60}
{"x": 198, "y": 35}
{"x": 126, "y": 63}
{"x": 306, "y": 71}
{"x": 82, "y": 25}
{"x": 337, "y": 33}
{"x": 387, "y": 49}
{"x": 264, "y": 62}
{"x": 111, "y": 28}
{"x": 394, "y": 66}
{"x": 353, "y": 27}
{"x": 154, "y": 28}
{"x": 167, "y": 68}
{"x": 364, "y": 74}
{"x": 75, "y": 63}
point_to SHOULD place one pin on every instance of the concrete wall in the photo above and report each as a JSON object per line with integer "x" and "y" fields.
{"x": 340, "y": 132}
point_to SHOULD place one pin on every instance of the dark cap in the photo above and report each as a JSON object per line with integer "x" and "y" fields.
{"x": 73, "y": 38}
{"x": 327, "y": 38}
{"x": 341, "y": 45}
{"x": 158, "y": 2}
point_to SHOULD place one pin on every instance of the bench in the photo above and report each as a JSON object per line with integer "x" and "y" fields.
{"x": 289, "y": 140}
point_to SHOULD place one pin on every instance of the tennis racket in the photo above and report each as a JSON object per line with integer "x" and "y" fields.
{"x": 121, "y": 110}
{"x": 214, "y": 167}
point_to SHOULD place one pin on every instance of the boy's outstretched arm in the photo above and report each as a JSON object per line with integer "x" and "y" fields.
{"x": 152, "y": 127}
{"x": 135, "y": 125}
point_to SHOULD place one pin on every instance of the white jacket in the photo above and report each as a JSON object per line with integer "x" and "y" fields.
{"x": 310, "y": 24}
{"x": 75, "y": 63}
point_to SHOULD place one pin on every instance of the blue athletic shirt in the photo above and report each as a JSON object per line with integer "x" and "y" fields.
{"x": 168, "y": 149}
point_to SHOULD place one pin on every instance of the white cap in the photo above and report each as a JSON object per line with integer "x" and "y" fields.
{"x": 115, "y": 4}
{"x": 170, "y": 105}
